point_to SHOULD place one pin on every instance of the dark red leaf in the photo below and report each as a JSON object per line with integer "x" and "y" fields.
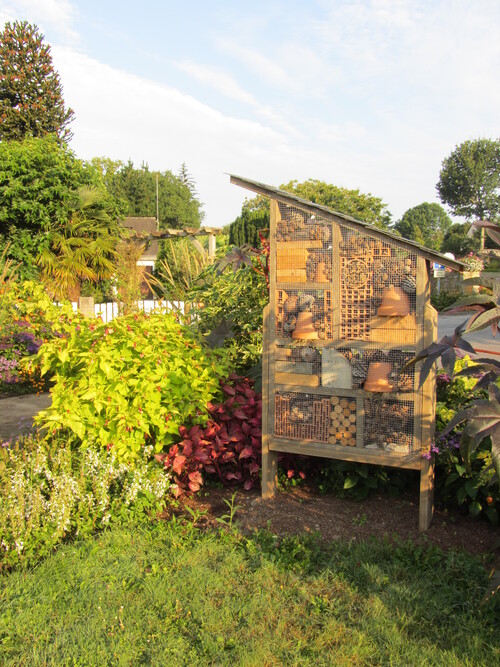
{"x": 246, "y": 428}
{"x": 194, "y": 486}
{"x": 188, "y": 448}
{"x": 178, "y": 464}
{"x": 196, "y": 477}
{"x": 246, "y": 453}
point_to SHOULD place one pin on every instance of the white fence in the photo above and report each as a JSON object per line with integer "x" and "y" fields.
{"x": 110, "y": 310}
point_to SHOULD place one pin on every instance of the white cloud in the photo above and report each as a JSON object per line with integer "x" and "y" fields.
{"x": 227, "y": 86}
{"x": 219, "y": 81}
{"x": 267, "y": 68}
{"x": 56, "y": 15}
{"x": 124, "y": 116}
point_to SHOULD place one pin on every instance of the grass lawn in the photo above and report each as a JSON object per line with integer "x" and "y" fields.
{"x": 169, "y": 594}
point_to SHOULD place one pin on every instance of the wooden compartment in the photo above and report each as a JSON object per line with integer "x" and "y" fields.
{"x": 289, "y": 304}
{"x": 343, "y": 421}
{"x": 302, "y": 416}
{"x": 389, "y": 424}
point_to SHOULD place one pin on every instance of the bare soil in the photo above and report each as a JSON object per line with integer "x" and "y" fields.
{"x": 302, "y": 510}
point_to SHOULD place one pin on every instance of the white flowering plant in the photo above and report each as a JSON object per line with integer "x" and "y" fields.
{"x": 49, "y": 493}
{"x": 472, "y": 262}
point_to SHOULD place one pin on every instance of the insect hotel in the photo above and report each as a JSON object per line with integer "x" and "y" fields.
{"x": 349, "y": 307}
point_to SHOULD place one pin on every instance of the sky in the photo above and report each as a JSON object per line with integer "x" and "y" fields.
{"x": 365, "y": 94}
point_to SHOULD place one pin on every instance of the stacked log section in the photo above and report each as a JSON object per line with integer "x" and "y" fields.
{"x": 342, "y": 421}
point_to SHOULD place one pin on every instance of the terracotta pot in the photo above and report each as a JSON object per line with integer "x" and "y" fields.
{"x": 395, "y": 303}
{"x": 377, "y": 378}
{"x": 320, "y": 275}
{"x": 304, "y": 329}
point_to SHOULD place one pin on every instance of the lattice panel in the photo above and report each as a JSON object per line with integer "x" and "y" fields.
{"x": 374, "y": 274}
{"x": 302, "y": 416}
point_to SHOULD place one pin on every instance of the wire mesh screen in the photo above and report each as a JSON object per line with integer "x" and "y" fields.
{"x": 378, "y": 282}
{"x": 302, "y": 416}
{"x": 391, "y": 425}
{"x": 345, "y": 320}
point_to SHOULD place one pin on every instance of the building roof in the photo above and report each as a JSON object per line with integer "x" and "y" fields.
{"x": 348, "y": 221}
{"x": 146, "y": 226}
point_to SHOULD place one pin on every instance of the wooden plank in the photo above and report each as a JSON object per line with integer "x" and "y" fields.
{"x": 425, "y": 397}
{"x": 283, "y": 354}
{"x": 400, "y": 330}
{"x": 269, "y": 458}
{"x": 291, "y": 276}
{"x": 283, "y": 246}
{"x": 302, "y": 367}
{"x": 336, "y": 279}
{"x": 345, "y": 453}
{"x": 291, "y": 379}
{"x": 426, "y": 504}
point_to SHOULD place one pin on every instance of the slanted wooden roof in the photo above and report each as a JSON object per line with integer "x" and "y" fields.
{"x": 348, "y": 221}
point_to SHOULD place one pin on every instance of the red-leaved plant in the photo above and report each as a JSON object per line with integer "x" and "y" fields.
{"x": 229, "y": 446}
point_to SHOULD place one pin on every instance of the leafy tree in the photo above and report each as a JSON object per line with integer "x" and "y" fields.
{"x": 31, "y": 100}
{"x": 39, "y": 180}
{"x": 349, "y": 202}
{"x": 245, "y": 229}
{"x": 186, "y": 178}
{"x": 178, "y": 207}
{"x": 425, "y": 224}
{"x": 469, "y": 180}
{"x": 366, "y": 208}
{"x": 458, "y": 241}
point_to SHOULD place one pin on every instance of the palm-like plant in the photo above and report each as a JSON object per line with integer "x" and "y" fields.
{"x": 7, "y": 277}
{"x": 82, "y": 248}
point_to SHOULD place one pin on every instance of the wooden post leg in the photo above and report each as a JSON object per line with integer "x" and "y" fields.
{"x": 269, "y": 472}
{"x": 426, "y": 495}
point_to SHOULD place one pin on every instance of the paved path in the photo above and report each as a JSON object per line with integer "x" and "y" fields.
{"x": 16, "y": 414}
{"x": 482, "y": 341}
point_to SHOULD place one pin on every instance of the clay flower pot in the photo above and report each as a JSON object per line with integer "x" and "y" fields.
{"x": 320, "y": 275}
{"x": 304, "y": 328}
{"x": 378, "y": 377}
{"x": 395, "y": 303}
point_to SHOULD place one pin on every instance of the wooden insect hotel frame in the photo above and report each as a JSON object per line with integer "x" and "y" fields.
{"x": 349, "y": 307}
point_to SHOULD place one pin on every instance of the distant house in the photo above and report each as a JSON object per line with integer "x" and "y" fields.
{"x": 146, "y": 225}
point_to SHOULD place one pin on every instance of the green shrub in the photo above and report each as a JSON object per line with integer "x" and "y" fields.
{"x": 50, "y": 492}
{"x": 443, "y": 299}
{"x": 232, "y": 303}
{"x": 30, "y": 319}
{"x": 469, "y": 484}
{"x": 130, "y": 383}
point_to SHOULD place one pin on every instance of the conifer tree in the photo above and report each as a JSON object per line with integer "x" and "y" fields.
{"x": 31, "y": 100}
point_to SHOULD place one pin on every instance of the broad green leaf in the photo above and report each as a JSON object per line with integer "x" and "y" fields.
{"x": 350, "y": 481}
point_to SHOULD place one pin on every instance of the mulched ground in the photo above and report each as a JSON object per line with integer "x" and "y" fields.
{"x": 301, "y": 510}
